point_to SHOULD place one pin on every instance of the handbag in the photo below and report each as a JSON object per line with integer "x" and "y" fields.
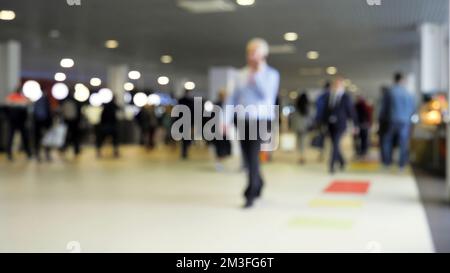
{"x": 56, "y": 136}
{"x": 318, "y": 141}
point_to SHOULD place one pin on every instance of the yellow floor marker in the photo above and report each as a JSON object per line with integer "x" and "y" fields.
{"x": 326, "y": 223}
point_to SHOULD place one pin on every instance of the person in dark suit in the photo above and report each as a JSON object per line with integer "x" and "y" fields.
{"x": 188, "y": 101}
{"x": 338, "y": 110}
{"x": 109, "y": 126}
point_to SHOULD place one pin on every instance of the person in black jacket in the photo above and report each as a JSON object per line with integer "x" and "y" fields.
{"x": 338, "y": 110}
{"x": 71, "y": 114}
{"x": 188, "y": 101}
{"x": 108, "y": 127}
{"x": 42, "y": 117}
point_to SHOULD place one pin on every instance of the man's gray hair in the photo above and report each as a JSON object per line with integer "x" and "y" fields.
{"x": 262, "y": 44}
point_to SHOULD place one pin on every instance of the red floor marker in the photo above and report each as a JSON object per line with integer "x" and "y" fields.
{"x": 341, "y": 186}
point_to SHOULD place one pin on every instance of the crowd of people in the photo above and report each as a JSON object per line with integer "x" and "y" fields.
{"x": 256, "y": 84}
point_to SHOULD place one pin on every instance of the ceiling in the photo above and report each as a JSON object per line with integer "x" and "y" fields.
{"x": 366, "y": 43}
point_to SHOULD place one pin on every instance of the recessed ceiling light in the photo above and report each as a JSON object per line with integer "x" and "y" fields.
{"x": 331, "y": 70}
{"x": 245, "y": 2}
{"x": 134, "y": 75}
{"x": 7, "y": 15}
{"x": 163, "y": 80}
{"x": 313, "y": 55}
{"x": 95, "y": 82}
{"x": 128, "y": 86}
{"x": 112, "y": 44}
{"x": 189, "y": 86}
{"x": 67, "y": 63}
{"x": 166, "y": 59}
{"x": 291, "y": 36}
{"x": 60, "y": 77}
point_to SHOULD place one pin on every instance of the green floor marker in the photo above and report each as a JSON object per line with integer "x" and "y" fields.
{"x": 326, "y": 223}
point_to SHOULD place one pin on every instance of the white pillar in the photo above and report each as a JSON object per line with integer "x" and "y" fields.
{"x": 117, "y": 76}
{"x": 433, "y": 58}
{"x": 10, "y": 66}
{"x": 220, "y": 78}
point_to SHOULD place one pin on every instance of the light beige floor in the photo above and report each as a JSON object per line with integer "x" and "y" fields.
{"x": 154, "y": 202}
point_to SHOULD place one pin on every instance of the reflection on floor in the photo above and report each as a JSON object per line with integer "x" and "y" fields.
{"x": 154, "y": 202}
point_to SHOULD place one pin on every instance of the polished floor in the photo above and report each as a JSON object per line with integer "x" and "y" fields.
{"x": 154, "y": 202}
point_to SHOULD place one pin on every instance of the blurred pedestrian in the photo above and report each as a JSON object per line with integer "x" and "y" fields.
{"x": 301, "y": 123}
{"x": 401, "y": 105}
{"x": 108, "y": 127}
{"x": 42, "y": 117}
{"x": 17, "y": 112}
{"x": 256, "y": 85}
{"x": 364, "y": 117}
{"x": 338, "y": 110}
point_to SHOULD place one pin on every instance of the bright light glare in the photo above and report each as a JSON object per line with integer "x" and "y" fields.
{"x": 7, "y": 15}
{"x": 95, "y": 82}
{"x": 134, "y": 75}
{"x": 60, "y": 77}
{"x": 140, "y": 99}
{"x": 81, "y": 92}
{"x": 32, "y": 90}
{"x": 128, "y": 86}
{"x": 189, "y": 86}
{"x": 163, "y": 80}
{"x": 209, "y": 106}
{"x": 60, "y": 91}
{"x": 95, "y": 100}
{"x": 67, "y": 63}
{"x": 291, "y": 36}
{"x": 106, "y": 95}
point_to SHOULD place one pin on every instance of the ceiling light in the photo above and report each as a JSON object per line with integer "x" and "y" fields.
{"x": 163, "y": 80}
{"x": 189, "y": 86}
{"x": 245, "y": 2}
{"x": 134, "y": 75}
{"x": 60, "y": 77}
{"x": 112, "y": 44}
{"x": 60, "y": 91}
{"x": 81, "y": 92}
{"x": 32, "y": 90}
{"x": 140, "y": 99}
{"x": 67, "y": 63}
{"x": 206, "y": 6}
{"x": 95, "y": 82}
{"x": 209, "y": 106}
{"x": 106, "y": 95}
{"x": 128, "y": 86}
{"x": 7, "y": 15}
{"x": 331, "y": 70}
{"x": 291, "y": 36}
{"x": 313, "y": 55}
{"x": 166, "y": 59}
